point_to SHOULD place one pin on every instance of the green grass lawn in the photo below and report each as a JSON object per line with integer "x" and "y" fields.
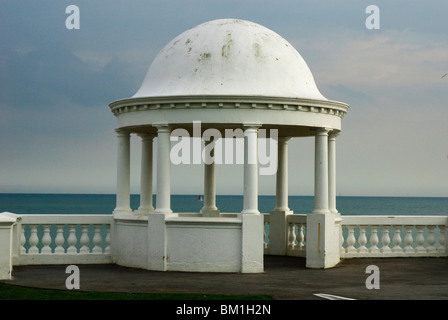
{"x": 13, "y": 292}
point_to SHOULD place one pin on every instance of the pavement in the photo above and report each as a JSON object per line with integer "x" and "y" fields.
{"x": 284, "y": 278}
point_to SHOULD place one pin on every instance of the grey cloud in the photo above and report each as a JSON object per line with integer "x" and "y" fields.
{"x": 51, "y": 75}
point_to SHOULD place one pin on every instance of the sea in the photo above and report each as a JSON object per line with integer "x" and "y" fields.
{"x": 34, "y": 203}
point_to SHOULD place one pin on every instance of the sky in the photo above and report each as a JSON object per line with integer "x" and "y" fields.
{"x": 57, "y": 132}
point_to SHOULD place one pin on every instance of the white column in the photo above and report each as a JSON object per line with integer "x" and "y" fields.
{"x": 321, "y": 172}
{"x": 278, "y": 228}
{"x": 323, "y": 228}
{"x": 209, "y": 209}
{"x": 332, "y": 171}
{"x": 281, "y": 188}
{"x": 250, "y": 200}
{"x": 123, "y": 172}
{"x": 146, "y": 175}
{"x": 163, "y": 193}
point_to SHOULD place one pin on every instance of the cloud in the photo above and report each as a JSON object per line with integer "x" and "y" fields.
{"x": 55, "y": 75}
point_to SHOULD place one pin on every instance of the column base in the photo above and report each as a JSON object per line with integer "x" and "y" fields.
{"x": 209, "y": 212}
{"x": 141, "y": 211}
{"x": 250, "y": 211}
{"x": 122, "y": 212}
{"x": 163, "y": 211}
{"x": 321, "y": 211}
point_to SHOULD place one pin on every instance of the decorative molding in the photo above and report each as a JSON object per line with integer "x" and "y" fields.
{"x": 229, "y": 102}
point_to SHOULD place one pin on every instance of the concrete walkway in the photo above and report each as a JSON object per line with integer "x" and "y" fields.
{"x": 285, "y": 278}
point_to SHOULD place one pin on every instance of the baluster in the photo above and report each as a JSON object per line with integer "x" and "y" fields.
{"x": 351, "y": 239}
{"x": 22, "y": 240}
{"x": 442, "y": 239}
{"x": 397, "y": 239}
{"x": 85, "y": 239}
{"x": 72, "y": 240}
{"x": 46, "y": 240}
{"x": 420, "y": 239}
{"x": 408, "y": 240}
{"x": 59, "y": 240}
{"x": 291, "y": 236}
{"x": 33, "y": 240}
{"x": 97, "y": 240}
{"x": 431, "y": 239}
{"x": 300, "y": 236}
{"x": 362, "y": 240}
{"x": 385, "y": 239}
{"x": 374, "y": 239}
{"x": 107, "y": 249}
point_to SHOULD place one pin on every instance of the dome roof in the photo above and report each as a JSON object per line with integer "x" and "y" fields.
{"x": 229, "y": 57}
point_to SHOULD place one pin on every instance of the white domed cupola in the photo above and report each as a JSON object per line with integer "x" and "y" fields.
{"x": 229, "y": 57}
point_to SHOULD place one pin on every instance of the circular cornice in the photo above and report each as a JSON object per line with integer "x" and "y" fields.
{"x": 278, "y": 104}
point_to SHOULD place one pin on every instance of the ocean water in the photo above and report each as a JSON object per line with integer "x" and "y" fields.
{"x": 105, "y": 204}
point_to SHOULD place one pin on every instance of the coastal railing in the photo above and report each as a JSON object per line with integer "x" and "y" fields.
{"x": 374, "y": 236}
{"x": 394, "y": 236}
{"x": 75, "y": 238}
{"x": 62, "y": 239}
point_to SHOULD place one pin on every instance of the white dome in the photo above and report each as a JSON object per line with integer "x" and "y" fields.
{"x": 229, "y": 57}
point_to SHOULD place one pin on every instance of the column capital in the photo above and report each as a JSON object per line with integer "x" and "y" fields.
{"x": 284, "y": 139}
{"x": 146, "y": 135}
{"x": 122, "y": 132}
{"x": 333, "y": 134}
{"x": 322, "y": 131}
{"x": 162, "y": 127}
{"x": 247, "y": 126}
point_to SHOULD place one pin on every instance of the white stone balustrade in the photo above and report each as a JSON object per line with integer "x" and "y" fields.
{"x": 296, "y": 226}
{"x": 296, "y": 235}
{"x": 81, "y": 239}
{"x": 375, "y": 236}
{"x": 395, "y": 236}
{"x": 61, "y": 239}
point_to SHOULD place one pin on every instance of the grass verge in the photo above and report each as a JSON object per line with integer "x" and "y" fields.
{"x": 13, "y": 292}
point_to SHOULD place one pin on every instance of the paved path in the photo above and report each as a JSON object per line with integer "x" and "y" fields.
{"x": 285, "y": 278}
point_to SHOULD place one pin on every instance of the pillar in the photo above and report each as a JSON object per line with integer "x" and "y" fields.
{"x": 163, "y": 192}
{"x": 278, "y": 231}
{"x": 321, "y": 171}
{"x": 250, "y": 195}
{"x": 281, "y": 189}
{"x": 332, "y": 171}
{"x": 323, "y": 241}
{"x": 146, "y": 175}
{"x": 123, "y": 173}
{"x": 209, "y": 209}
